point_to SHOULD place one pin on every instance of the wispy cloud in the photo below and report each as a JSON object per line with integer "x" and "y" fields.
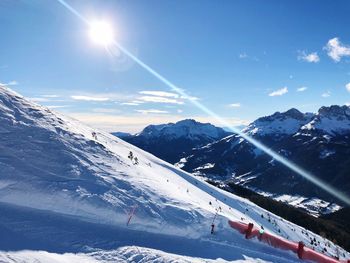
{"x": 89, "y": 98}
{"x": 234, "y": 105}
{"x": 130, "y": 103}
{"x": 347, "y": 86}
{"x": 50, "y": 96}
{"x": 308, "y": 57}
{"x": 160, "y": 100}
{"x": 326, "y": 94}
{"x": 39, "y": 99}
{"x": 336, "y": 50}
{"x": 152, "y": 111}
{"x": 301, "y": 89}
{"x": 192, "y": 98}
{"x": 105, "y": 110}
{"x": 159, "y": 93}
{"x": 279, "y": 92}
{"x": 10, "y": 83}
{"x": 57, "y": 106}
{"x": 244, "y": 55}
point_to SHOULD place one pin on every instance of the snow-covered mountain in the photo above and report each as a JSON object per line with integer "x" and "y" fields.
{"x": 333, "y": 120}
{"x": 173, "y": 141}
{"x": 71, "y": 190}
{"x": 279, "y": 124}
{"x": 318, "y": 142}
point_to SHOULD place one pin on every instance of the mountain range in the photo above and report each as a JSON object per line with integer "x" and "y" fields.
{"x": 318, "y": 142}
{"x": 173, "y": 141}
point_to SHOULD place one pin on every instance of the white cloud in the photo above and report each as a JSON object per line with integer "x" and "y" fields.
{"x": 187, "y": 97}
{"x": 57, "y": 106}
{"x": 336, "y": 50}
{"x": 347, "y": 86}
{"x": 347, "y": 104}
{"x": 326, "y": 94}
{"x": 234, "y": 105}
{"x": 10, "y": 83}
{"x": 105, "y": 110}
{"x": 130, "y": 103}
{"x": 138, "y": 101}
{"x": 179, "y": 111}
{"x": 243, "y": 55}
{"x": 89, "y": 98}
{"x": 50, "y": 96}
{"x": 159, "y": 93}
{"x": 160, "y": 100}
{"x": 279, "y": 92}
{"x": 246, "y": 56}
{"x": 301, "y": 89}
{"x": 39, "y": 99}
{"x": 152, "y": 111}
{"x": 311, "y": 57}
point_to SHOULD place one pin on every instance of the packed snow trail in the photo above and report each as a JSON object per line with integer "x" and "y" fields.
{"x": 53, "y": 163}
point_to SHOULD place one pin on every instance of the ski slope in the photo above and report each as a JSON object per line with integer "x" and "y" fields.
{"x": 55, "y": 177}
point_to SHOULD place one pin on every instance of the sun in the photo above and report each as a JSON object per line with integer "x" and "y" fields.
{"x": 101, "y": 32}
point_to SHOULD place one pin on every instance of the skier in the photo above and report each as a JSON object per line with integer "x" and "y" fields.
{"x": 131, "y": 155}
{"x": 94, "y": 135}
{"x": 136, "y": 160}
{"x": 212, "y": 228}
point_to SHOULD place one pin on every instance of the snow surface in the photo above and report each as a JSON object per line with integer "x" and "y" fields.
{"x": 121, "y": 255}
{"x": 63, "y": 190}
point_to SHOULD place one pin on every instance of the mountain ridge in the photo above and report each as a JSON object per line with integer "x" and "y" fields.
{"x": 173, "y": 140}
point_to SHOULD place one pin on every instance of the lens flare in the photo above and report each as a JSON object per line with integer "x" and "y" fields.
{"x": 292, "y": 166}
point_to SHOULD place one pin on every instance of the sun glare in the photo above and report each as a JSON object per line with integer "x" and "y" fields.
{"x": 101, "y": 32}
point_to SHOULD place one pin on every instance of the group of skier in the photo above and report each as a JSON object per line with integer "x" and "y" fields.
{"x": 133, "y": 158}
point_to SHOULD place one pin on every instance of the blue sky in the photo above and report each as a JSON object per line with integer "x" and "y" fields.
{"x": 242, "y": 59}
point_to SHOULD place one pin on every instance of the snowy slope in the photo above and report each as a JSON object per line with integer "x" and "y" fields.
{"x": 51, "y": 163}
{"x": 122, "y": 255}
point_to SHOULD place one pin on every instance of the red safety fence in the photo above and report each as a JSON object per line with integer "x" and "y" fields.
{"x": 299, "y": 248}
